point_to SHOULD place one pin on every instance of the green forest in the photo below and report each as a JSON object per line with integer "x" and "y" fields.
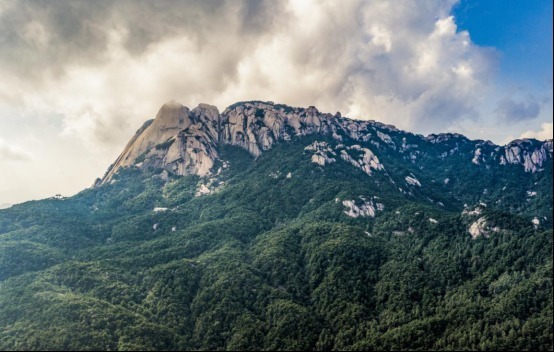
{"x": 272, "y": 262}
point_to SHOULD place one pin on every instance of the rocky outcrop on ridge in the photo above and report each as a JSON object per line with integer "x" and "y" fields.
{"x": 185, "y": 142}
{"x": 178, "y": 139}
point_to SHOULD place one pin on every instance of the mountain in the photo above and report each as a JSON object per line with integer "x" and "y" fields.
{"x": 188, "y": 142}
{"x": 273, "y": 227}
{"x": 185, "y": 142}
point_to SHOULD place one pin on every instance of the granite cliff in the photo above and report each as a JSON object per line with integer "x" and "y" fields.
{"x": 185, "y": 142}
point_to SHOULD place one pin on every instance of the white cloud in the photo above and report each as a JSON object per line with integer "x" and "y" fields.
{"x": 109, "y": 66}
{"x": 10, "y": 152}
{"x": 403, "y": 63}
{"x": 544, "y": 133}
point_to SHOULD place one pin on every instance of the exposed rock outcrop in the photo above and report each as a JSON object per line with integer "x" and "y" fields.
{"x": 365, "y": 160}
{"x": 185, "y": 142}
{"x": 362, "y": 208}
{"x": 481, "y": 227}
{"x": 179, "y": 140}
{"x": 412, "y": 181}
{"x": 354, "y": 211}
{"x": 361, "y": 158}
{"x": 522, "y": 152}
{"x": 323, "y": 153}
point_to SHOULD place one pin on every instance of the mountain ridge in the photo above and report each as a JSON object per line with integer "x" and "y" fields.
{"x": 317, "y": 243}
{"x": 185, "y": 141}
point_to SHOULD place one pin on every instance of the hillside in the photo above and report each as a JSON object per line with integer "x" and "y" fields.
{"x": 272, "y": 227}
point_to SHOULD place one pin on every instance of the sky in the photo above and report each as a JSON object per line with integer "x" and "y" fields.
{"x": 78, "y": 78}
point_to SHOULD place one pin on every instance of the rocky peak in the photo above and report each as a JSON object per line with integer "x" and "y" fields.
{"x": 172, "y": 115}
{"x": 186, "y": 141}
{"x": 444, "y": 137}
{"x": 529, "y": 153}
{"x": 178, "y": 139}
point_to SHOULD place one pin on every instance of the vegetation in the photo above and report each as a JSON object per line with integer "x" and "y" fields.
{"x": 272, "y": 263}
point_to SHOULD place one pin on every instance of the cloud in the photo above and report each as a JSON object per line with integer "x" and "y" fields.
{"x": 510, "y": 110}
{"x": 102, "y": 68}
{"x": 107, "y": 66}
{"x": 13, "y": 153}
{"x": 544, "y": 133}
{"x": 49, "y": 39}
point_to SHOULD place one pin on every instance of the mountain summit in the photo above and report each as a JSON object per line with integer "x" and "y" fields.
{"x": 178, "y": 139}
{"x": 185, "y": 142}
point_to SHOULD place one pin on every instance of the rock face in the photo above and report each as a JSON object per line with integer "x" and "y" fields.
{"x": 323, "y": 153}
{"x": 185, "y": 142}
{"x": 481, "y": 227}
{"x": 365, "y": 209}
{"x": 179, "y": 140}
{"x": 412, "y": 181}
{"x": 532, "y": 159}
{"x": 366, "y": 160}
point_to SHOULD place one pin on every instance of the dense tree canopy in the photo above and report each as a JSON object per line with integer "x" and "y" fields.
{"x": 270, "y": 262}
